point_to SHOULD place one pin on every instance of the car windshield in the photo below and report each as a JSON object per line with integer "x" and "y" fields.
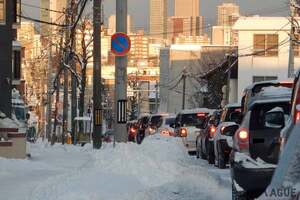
{"x": 20, "y": 113}
{"x": 170, "y": 121}
{"x": 156, "y": 121}
{"x": 227, "y": 114}
{"x": 192, "y": 119}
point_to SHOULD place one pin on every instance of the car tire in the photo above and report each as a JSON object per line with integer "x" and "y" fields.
{"x": 221, "y": 158}
{"x": 197, "y": 151}
{"x": 210, "y": 156}
{"x": 202, "y": 155}
{"x": 236, "y": 195}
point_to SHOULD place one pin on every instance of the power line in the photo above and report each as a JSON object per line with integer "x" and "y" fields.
{"x": 43, "y": 22}
{"x": 47, "y": 9}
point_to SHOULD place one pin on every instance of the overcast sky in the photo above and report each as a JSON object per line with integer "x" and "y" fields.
{"x": 139, "y": 9}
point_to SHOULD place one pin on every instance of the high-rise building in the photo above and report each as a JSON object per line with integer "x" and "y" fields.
{"x": 158, "y": 18}
{"x": 112, "y": 24}
{"x": 228, "y": 14}
{"x": 185, "y": 26}
{"x": 187, "y": 8}
{"x": 58, "y": 5}
{"x": 45, "y": 16}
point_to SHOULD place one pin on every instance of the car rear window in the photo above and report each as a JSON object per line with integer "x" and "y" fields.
{"x": 192, "y": 119}
{"x": 170, "y": 121}
{"x": 257, "y": 114}
{"x": 226, "y": 114}
{"x": 156, "y": 121}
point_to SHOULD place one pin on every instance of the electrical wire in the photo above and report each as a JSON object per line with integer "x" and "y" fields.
{"x": 38, "y": 7}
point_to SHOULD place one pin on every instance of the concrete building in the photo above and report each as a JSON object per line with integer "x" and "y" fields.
{"x": 195, "y": 60}
{"x": 222, "y": 34}
{"x": 158, "y": 19}
{"x": 185, "y": 26}
{"x": 139, "y": 52}
{"x": 200, "y": 40}
{"x": 228, "y": 14}
{"x": 265, "y": 41}
{"x": 112, "y": 24}
{"x": 10, "y": 52}
{"x": 58, "y": 5}
{"x": 187, "y": 8}
{"x": 45, "y": 16}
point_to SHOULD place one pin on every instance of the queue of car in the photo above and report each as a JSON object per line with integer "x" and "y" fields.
{"x": 248, "y": 137}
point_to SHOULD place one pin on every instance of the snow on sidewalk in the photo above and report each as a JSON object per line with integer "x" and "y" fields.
{"x": 160, "y": 168}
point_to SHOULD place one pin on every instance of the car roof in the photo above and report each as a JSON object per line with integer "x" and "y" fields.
{"x": 271, "y": 94}
{"x": 267, "y": 84}
{"x": 233, "y": 105}
{"x": 197, "y": 110}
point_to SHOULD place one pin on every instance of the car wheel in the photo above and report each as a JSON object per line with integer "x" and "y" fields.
{"x": 221, "y": 158}
{"x": 197, "y": 151}
{"x": 210, "y": 154}
{"x": 236, "y": 195}
{"x": 202, "y": 155}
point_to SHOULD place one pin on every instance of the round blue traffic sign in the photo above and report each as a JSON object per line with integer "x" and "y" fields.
{"x": 120, "y": 44}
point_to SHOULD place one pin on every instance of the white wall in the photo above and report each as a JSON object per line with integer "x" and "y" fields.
{"x": 261, "y": 66}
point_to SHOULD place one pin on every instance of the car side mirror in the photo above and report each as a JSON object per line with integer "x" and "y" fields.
{"x": 229, "y": 130}
{"x": 274, "y": 119}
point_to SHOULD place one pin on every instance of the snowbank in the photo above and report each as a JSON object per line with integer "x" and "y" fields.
{"x": 160, "y": 168}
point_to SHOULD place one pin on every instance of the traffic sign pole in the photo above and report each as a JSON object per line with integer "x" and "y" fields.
{"x": 121, "y": 69}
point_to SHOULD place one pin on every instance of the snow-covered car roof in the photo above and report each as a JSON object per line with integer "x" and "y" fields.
{"x": 272, "y": 94}
{"x": 264, "y": 84}
{"x": 83, "y": 118}
{"x": 197, "y": 110}
{"x": 233, "y": 105}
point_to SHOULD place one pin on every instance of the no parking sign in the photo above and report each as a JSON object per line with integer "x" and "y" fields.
{"x": 120, "y": 44}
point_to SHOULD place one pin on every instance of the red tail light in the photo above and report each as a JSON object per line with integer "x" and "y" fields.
{"x": 297, "y": 108}
{"x": 212, "y": 131}
{"x": 243, "y": 138}
{"x": 133, "y": 131}
{"x": 183, "y": 132}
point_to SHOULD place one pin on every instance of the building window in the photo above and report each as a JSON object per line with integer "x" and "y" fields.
{"x": 263, "y": 78}
{"x": 17, "y": 65}
{"x": 2, "y": 11}
{"x": 17, "y": 11}
{"x": 265, "y": 45}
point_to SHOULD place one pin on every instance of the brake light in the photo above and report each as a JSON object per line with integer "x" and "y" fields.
{"x": 212, "y": 131}
{"x": 297, "y": 108}
{"x": 133, "y": 131}
{"x": 201, "y": 114}
{"x": 183, "y": 132}
{"x": 243, "y": 138}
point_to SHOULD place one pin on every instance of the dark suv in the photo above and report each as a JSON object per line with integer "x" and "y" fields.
{"x": 256, "y": 143}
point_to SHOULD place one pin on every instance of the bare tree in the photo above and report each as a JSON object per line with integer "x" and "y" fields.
{"x": 83, "y": 55}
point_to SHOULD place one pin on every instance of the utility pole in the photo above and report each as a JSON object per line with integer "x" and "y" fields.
{"x": 97, "y": 82}
{"x": 121, "y": 70}
{"x": 183, "y": 90}
{"x": 49, "y": 99}
{"x": 292, "y": 39}
{"x": 66, "y": 76}
{"x": 156, "y": 97}
{"x": 73, "y": 79}
{"x": 228, "y": 79}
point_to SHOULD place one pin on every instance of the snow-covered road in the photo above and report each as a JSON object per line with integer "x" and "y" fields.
{"x": 158, "y": 169}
